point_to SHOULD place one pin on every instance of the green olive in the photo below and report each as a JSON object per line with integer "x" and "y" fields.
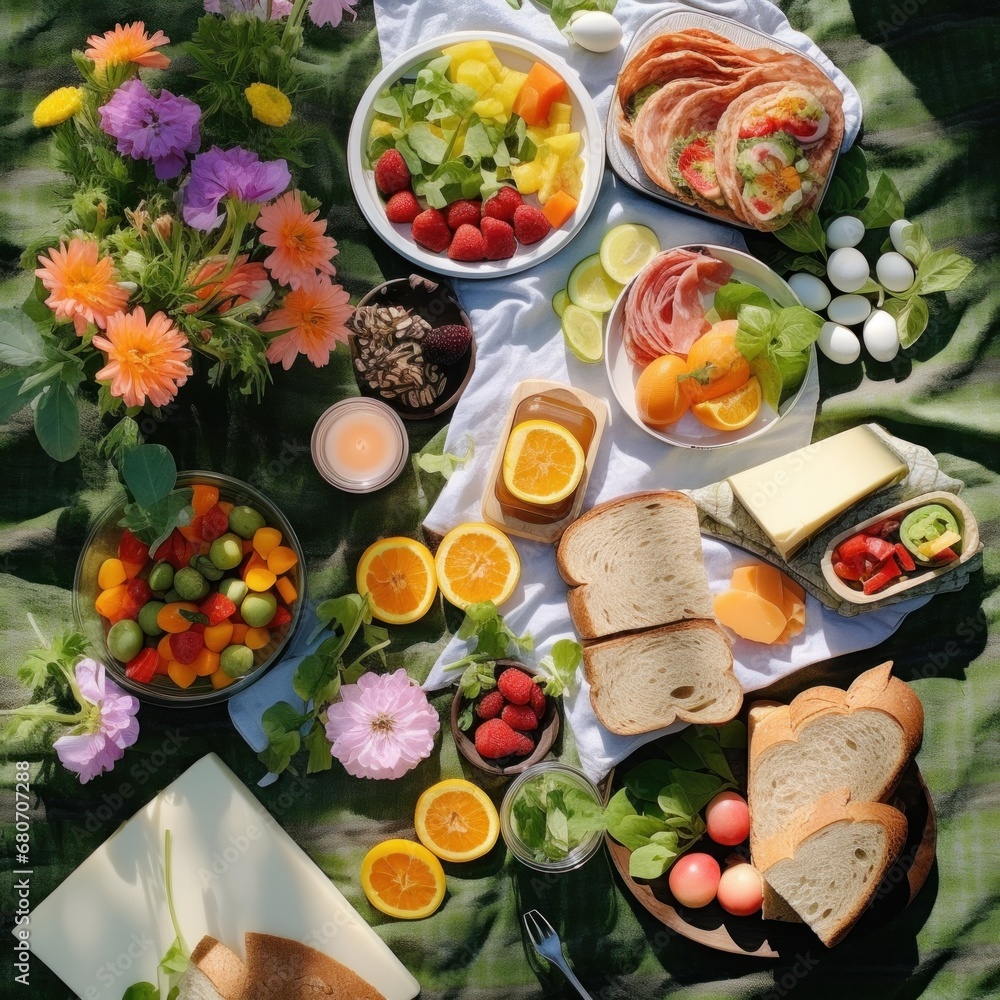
{"x": 125, "y": 639}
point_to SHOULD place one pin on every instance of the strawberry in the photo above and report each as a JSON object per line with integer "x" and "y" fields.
{"x": 444, "y": 345}
{"x": 490, "y": 705}
{"x": 503, "y": 204}
{"x": 142, "y": 666}
{"x": 214, "y": 523}
{"x": 402, "y": 207}
{"x": 465, "y": 211}
{"x": 515, "y": 685}
{"x": 494, "y": 738}
{"x": 499, "y": 236}
{"x": 281, "y": 616}
{"x": 530, "y": 225}
{"x": 185, "y": 646}
{"x": 391, "y": 172}
{"x": 520, "y": 717}
{"x": 430, "y": 230}
{"x": 538, "y": 702}
{"x": 468, "y": 244}
{"x": 525, "y": 744}
{"x": 217, "y": 608}
{"x": 131, "y": 550}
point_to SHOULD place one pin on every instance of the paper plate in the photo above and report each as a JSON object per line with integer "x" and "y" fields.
{"x": 689, "y": 432}
{"x": 516, "y": 54}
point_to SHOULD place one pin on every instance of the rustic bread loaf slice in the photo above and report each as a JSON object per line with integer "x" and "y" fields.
{"x": 635, "y": 562}
{"x": 646, "y": 680}
{"x": 830, "y": 859}
{"x": 221, "y": 966}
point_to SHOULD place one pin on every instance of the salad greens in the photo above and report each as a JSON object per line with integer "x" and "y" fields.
{"x": 429, "y": 119}
{"x": 553, "y": 815}
{"x": 656, "y": 813}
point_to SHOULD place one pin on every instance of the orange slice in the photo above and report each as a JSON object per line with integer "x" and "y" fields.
{"x": 402, "y": 878}
{"x": 456, "y": 820}
{"x": 732, "y": 411}
{"x": 476, "y": 562}
{"x": 398, "y": 576}
{"x": 543, "y": 462}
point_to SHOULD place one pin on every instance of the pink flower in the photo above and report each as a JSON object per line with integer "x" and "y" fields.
{"x": 108, "y": 727}
{"x": 331, "y": 11}
{"x": 314, "y": 320}
{"x": 382, "y": 727}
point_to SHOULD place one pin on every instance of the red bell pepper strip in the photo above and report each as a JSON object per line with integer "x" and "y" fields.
{"x": 946, "y": 556}
{"x": 904, "y": 557}
{"x": 887, "y": 572}
{"x": 142, "y": 666}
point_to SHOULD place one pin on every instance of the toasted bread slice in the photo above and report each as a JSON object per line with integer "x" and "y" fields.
{"x": 221, "y": 966}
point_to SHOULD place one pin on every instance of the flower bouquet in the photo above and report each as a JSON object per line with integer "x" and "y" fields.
{"x": 184, "y": 232}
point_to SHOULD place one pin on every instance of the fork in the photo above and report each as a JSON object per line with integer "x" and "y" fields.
{"x": 546, "y": 942}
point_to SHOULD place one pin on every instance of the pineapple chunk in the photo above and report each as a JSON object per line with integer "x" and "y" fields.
{"x": 538, "y": 135}
{"x": 379, "y": 128}
{"x": 570, "y": 177}
{"x": 527, "y": 176}
{"x": 560, "y": 114}
{"x": 488, "y": 107}
{"x": 496, "y": 67}
{"x": 550, "y": 178}
{"x": 507, "y": 87}
{"x": 559, "y": 129}
{"x": 475, "y": 74}
{"x": 564, "y": 146}
{"x": 462, "y": 51}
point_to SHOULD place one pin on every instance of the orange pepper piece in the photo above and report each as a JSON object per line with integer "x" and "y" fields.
{"x": 161, "y": 666}
{"x": 257, "y": 638}
{"x": 281, "y": 560}
{"x": 540, "y": 89}
{"x": 559, "y": 208}
{"x": 203, "y": 497}
{"x": 226, "y": 507}
{"x": 254, "y": 562}
{"x": 217, "y": 637}
{"x": 163, "y": 648}
{"x": 259, "y": 580}
{"x": 287, "y": 589}
{"x": 132, "y": 570}
{"x": 220, "y": 679}
{"x": 181, "y": 674}
{"x": 265, "y": 540}
{"x": 170, "y": 618}
{"x": 109, "y": 602}
{"x": 239, "y": 634}
{"x": 111, "y": 573}
{"x": 206, "y": 662}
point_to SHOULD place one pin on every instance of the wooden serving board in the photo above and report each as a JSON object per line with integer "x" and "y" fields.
{"x": 492, "y": 512}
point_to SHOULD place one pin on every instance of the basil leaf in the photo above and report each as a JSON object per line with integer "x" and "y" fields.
{"x": 792, "y": 368}
{"x": 651, "y": 861}
{"x": 884, "y": 206}
{"x": 57, "y": 422}
{"x": 769, "y": 379}
{"x": 942, "y": 271}
{"x": 645, "y": 780}
{"x": 796, "y": 328}
{"x": 805, "y": 235}
{"x": 848, "y": 185}
{"x": 731, "y": 296}
{"x": 149, "y": 472}
{"x": 912, "y": 317}
{"x": 754, "y": 330}
{"x": 916, "y": 246}
{"x": 21, "y": 342}
{"x": 635, "y": 831}
{"x": 733, "y": 735}
{"x": 320, "y": 757}
{"x": 11, "y": 398}
{"x": 141, "y": 991}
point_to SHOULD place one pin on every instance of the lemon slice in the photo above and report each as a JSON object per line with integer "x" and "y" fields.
{"x": 543, "y": 462}
{"x": 456, "y": 820}
{"x": 474, "y": 563}
{"x": 590, "y": 287}
{"x": 397, "y": 575}
{"x": 559, "y": 302}
{"x": 732, "y": 411}
{"x": 584, "y": 333}
{"x": 626, "y": 249}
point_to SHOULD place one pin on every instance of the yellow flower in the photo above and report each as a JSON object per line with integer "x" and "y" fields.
{"x": 268, "y": 104}
{"x": 58, "y": 107}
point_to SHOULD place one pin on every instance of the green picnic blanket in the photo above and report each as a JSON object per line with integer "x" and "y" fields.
{"x": 928, "y": 74}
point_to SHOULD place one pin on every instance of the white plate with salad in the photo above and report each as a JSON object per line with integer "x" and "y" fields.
{"x": 427, "y": 104}
{"x": 661, "y": 313}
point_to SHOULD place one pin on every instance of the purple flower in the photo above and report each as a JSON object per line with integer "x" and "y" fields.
{"x": 110, "y": 725}
{"x": 230, "y": 173}
{"x": 163, "y": 129}
{"x": 279, "y": 8}
{"x": 331, "y": 11}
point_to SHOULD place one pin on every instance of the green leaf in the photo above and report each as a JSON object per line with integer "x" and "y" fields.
{"x": 35, "y": 309}
{"x": 916, "y": 246}
{"x": 11, "y": 398}
{"x": 849, "y": 184}
{"x": 281, "y": 719}
{"x": 557, "y": 671}
{"x": 755, "y": 327}
{"x": 733, "y": 735}
{"x": 476, "y": 678}
{"x": 884, "y": 206}
{"x": 118, "y": 440}
{"x": 912, "y": 317}
{"x": 317, "y": 678}
{"x": 149, "y": 473}
{"x": 141, "y": 991}
{"x": 796, "y": 329}
{"x": 318, "y": 747}
{"x": 57, "y": 422}
{"x": 645, "y": 780}
{"x": 465, "y": 717}
{"x": 792, "y": 369}
{"x": 651, "y": 861}
{"x": 175, "y": 961}
{"x": 21, "y": 342}
{"x": 562, "y": 11}
{"x": 769, "y": 378}
{"x": 428, "y": 146}
{"x": 941, "y": 271}
{"x": 805, "y": 235}
{"x": 344, "y": 613}
{"x": 731, "y": 296}
{"x": 673, "y": 799}
{"x": 447, "y": 463}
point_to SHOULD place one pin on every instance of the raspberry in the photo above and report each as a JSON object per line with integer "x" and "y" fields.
{"x": 503, "y": 204}
{"x": 468, "y": 244}
{"x": 538, "y": 702}
{"x": 490, "y": 705}
{"x": 465, "y": 211}
{"x": 186, "y": 646}
{"x": 391, "y": 172}
{"x": 515, "y": 685}
{"x": 525, "y": 744}
{"x": 430, "y": 230}
{"x": 402, "y": 207}
{"x": 519, "y": 717}
{"x": 530, "y": 225}
{"x": 499, "y": 236}
{"x": 494, "y": 738}
{"x": 444, "y": 345}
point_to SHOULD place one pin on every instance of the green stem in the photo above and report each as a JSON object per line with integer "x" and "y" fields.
{"x": 43, "y": 712}
{"x": 170, "y": 894}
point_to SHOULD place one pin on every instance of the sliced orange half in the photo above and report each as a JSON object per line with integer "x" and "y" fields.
{"x": 402, "y": 878}
{"x": 476, "y": 562}
{"x": 456, "y": 820}
{"x": 543, "y": 462}
{"x": 398, "y": 576}
{"x": 732, "y": 411}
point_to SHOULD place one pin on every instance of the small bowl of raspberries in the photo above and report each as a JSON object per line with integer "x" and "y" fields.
{"x": 510, "y": 725}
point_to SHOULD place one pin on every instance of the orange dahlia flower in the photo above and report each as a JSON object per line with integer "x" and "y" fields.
{"x": 314, "y": 316}
{"x": 128, "y": 44}
{"x": 243, "y": 283}
{"x": 300, "y": 248}
{"x": 83, "y": 288}
{"x": 146, "y": 359}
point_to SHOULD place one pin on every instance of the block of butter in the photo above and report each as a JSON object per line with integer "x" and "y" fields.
{"x": 792, "y": 497}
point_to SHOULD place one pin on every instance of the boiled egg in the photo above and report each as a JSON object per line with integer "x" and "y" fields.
{"x": 846, "y": 231}
{"x": 847, "y": 269}
{"x": 896, "y": 234}
{"x": 894, "y": 271}
{"x": 849, "y": 309}
{"x": 812, "y": 292}
{"x": 595, "y": 30}
{"x": 838, "y": 344}
{"x": 881, "y": 335}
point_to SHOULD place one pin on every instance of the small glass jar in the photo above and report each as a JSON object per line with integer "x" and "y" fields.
{"x": 578, "y": 854}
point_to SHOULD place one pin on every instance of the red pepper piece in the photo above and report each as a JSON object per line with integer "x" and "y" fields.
{"x": 175, "y": 550}
{"x": 138, "y": 591}
{"x": 131, "y": 550}
{"x": 946, "y": 555}
{"x": 142, "y": 667}
{"x": 214, "y": 523}
{"x": 878, "y": 548}
{"x": 904, "y": 557}
{"x": 856, "y": 545}
{"x": 282, "y": 616}
{"x": 186, "y": 645}
{"x": 848, "y": 571}
{"x": 887, "y": 572}
{"x": 217, "y": 608}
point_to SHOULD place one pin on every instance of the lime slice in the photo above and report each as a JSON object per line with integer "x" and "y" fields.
{"x": 559, "y": 301}
{"x": 584, "y": 333}
{"x": 626, "y": 249}
{"x": 590, "y": 287}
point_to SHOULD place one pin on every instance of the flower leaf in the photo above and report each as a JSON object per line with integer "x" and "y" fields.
{"x": 849, "y": 184}
{"x": 447, "y": 463}
{"x": 314, "y": 675}
{"x": 175, "y": 961}
{"x": 57, "y": 422}
{"x": 884, "y": 206}
{"x": 341, "y": 613}
{"x": 320, "y": 758}
{"x": 21, "y": 343}
{"x": 465, "y": 717}
{"x": 149, "y": 473}
{"x": 916, "y": 246}
{"x": 12, "y": 398}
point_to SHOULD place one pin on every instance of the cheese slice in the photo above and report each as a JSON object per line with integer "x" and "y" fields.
{"x": 793, "y": 496}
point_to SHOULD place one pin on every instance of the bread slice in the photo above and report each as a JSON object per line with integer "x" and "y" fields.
{"x": 195, "y": 985}
{"x": 280, "y": 967}
{"x": 635, "y": 562}
{"x": 646, "y": 680}
{"x": 221, "y": 966}
{"x": 831, "y": 858}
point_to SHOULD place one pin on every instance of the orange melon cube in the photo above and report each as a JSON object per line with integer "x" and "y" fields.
{"x": 265, "y": 541}
{"x": 181, "y": 674}
{"x": 217, "y": 637}
{"x": 111, "y": 573}
{"x": 109, "y": 601}
{"x": 206, "y": 662}
{"x": 259, "y": 580}
{"x": 220, "y": 679}
{"x": 281, "y": 560}
{"x": 286, "y": 589}
{"x": 257, "y": 638}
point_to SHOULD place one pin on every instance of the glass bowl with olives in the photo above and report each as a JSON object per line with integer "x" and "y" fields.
{"x": 207, "y": 610}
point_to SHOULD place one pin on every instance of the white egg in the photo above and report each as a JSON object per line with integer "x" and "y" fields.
{"x": 881, "y": 336}
{"x": 838, "y": 343}
{"x": 847, "y": 231}
{"x": 812, "y": 292}
{"x": 849, "y": 309}
{"x": 847, "y": 269}
{"x": 896, "y": 234}
{"x": 894, "y": 271}
{"x": 595, "y": 30}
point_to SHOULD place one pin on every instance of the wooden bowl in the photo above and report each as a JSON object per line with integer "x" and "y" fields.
{"x": 544, "y": 736}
